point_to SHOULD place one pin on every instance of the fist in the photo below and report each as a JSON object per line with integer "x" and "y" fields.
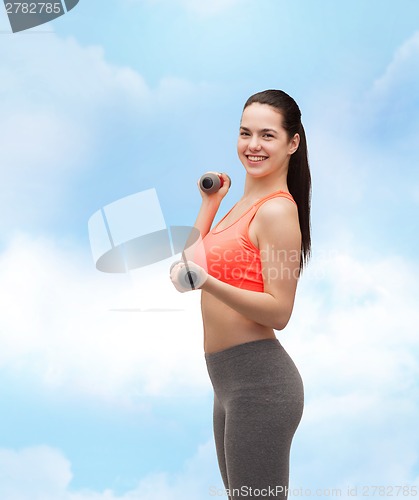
{"x": 187, "y": 277}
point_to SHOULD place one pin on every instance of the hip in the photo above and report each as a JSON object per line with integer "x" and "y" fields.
{"x": 258, "y": 367}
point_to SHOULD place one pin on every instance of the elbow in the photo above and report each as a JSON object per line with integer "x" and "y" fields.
{"x": 281, "y": 320}
{"x": 279, "y": 325}
{"x": 281, "y": 310}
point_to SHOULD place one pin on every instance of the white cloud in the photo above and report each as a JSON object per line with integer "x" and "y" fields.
{"x": 390, "y": 104}
{"x": 194, "y": 480}
{"x": 362, "y": 144}
{"x": 61, "y": 103}
{"x": 39, "y": 473}
{"x": 402, "y": 71}
{"x": 44, "y": 473}
{"x": 365, "y": 301}
{"x": 58, "y": 325}
{"x": 54, "y": 91}
{"x": 354, "y": 339}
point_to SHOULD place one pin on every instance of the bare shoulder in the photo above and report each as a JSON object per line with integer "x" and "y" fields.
{"x": 277, "y": 209}
{"x": 276, "y": 223}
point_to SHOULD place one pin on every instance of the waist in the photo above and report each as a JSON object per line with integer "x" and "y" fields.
{"x": 244, "y": 348}
{"x": 224, "y": 327}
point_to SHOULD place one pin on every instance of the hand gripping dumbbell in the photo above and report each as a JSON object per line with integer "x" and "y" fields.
{"x": 211, "y": 182}
{"x": 189, "y": 276}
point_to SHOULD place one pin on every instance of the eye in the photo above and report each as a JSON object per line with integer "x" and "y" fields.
{"x": 269, "y": 136}
{"x": 243, "y": 133}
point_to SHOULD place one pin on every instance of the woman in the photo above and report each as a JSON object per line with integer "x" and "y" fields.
{"x": 254, "y": 257}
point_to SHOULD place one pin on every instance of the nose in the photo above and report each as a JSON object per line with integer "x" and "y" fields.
{"x": 254, "y": 143}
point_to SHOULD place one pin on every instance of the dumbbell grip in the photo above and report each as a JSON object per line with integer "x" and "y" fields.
{"x": 211, "y": 182}
{"x": 189, "y": 277}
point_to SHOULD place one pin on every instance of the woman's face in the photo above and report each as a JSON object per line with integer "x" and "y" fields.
{"x": 263, "y": 145}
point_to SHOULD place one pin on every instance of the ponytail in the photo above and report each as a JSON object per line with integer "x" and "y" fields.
{"x": 299, "y": 185}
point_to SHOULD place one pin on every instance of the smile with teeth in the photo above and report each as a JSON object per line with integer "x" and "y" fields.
{"x": 257, "y": 158}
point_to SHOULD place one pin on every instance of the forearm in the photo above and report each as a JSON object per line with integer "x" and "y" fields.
{"x": 261, "y": 307}
{"x": 206, "y": 214}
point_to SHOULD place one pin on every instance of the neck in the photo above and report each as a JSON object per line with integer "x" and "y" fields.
{"x": 257, "y": 187}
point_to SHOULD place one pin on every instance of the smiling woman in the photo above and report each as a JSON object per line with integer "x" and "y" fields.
{"x": 254, "y": 257}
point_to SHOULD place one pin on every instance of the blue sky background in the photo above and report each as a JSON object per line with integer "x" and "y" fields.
{"x": 121, "y": 96}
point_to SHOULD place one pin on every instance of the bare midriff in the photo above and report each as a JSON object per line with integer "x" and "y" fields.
{"x": 224, "y": 327}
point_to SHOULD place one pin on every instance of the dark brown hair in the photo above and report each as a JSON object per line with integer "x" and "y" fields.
{"x": 298, "y": 177}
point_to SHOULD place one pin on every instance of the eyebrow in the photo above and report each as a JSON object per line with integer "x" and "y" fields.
{"x": 264, "y": 130}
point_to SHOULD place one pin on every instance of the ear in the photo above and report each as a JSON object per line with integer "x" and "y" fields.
{"x": 294, "y": 143}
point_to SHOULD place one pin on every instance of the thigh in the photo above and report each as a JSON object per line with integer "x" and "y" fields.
{"x": 258, "y": 436}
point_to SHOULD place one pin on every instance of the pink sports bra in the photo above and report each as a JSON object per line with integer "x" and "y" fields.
{"x": 231, "y": 256}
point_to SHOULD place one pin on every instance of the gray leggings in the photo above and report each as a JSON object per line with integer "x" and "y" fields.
{"x": 258, "y": 404}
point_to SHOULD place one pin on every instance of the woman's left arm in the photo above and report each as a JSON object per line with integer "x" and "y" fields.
{"x": 279, "y": 240}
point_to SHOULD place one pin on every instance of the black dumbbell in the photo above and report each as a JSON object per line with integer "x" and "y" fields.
{"x": 211, "y": 182}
